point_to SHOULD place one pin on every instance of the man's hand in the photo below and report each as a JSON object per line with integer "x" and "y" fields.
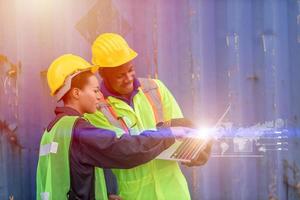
{"x": 114, "y": 197}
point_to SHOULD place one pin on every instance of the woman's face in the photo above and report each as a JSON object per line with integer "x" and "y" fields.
{"x": 90, "y": 95}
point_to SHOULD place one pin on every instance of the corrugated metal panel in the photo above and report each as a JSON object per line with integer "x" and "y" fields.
{"x": 209, "y": 53}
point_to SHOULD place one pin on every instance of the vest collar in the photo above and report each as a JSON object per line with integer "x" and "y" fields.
{"x": 66, "y": 111}
{"x": 60, "y": 112}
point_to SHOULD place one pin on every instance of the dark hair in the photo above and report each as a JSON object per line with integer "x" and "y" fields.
{"x": 78, "y": 81}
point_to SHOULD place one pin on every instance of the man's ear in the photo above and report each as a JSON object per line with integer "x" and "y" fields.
{"x": 75, "y": 93}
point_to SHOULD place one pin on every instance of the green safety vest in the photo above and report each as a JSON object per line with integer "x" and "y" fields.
{"x": 157, "y": 179}
{"x": 53, "y": 172}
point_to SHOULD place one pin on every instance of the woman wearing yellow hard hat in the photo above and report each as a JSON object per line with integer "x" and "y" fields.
{"x": 71, "y": 148}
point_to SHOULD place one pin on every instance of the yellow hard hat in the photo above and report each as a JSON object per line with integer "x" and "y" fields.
{"x": 111, "y": 50}
{"x": 64, "y": 67}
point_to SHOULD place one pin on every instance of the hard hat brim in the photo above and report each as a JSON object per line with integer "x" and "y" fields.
{"x": 67, "y": 83}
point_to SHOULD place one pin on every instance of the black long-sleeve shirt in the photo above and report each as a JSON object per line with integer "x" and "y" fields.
{"x": 93, "y": 147}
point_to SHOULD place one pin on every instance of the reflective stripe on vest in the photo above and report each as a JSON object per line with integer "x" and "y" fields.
{"x": 152, "y": 93}
{"x": 48, "y": 148}
{"x": 45, "y": 195}
{"x": 112, "y": 116}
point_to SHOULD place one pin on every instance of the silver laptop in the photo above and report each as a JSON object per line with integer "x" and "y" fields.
{"x": 189, "y": 148}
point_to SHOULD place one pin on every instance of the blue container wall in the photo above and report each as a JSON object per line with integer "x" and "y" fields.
{"x": 208, "y": 52}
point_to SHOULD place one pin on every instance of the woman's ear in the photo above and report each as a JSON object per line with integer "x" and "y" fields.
{"x": 75, "y": 93}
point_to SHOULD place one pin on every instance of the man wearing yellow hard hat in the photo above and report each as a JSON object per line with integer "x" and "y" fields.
{"x": 71, "y": 148}
{"x": 137, "y": 104}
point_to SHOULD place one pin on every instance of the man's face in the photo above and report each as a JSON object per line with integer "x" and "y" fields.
{"x": 90, "y": 96}
{"x": 119, "y": 79}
